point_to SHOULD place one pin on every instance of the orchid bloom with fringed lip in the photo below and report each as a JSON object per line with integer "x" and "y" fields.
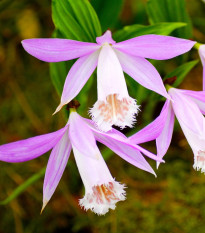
{"x": 189, "y": 107}
{"x": 202, "y": 56}
{"x": 102, "y": 192}
{"x": 114, "y": 105}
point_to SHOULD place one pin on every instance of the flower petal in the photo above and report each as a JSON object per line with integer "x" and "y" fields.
{"x": 204, "y": 78}
{"x": 142, "y": 72}
{"x": 102, "y": 192}
{"x": 55, "y": 50}
{"x": 30, "y": 148}
{"x": 155, "y": 46}
{"x": 78, "y": 75}
{"x": 187, "y": 111}
{"x": 198, "y": 97}
{"x": 121, "y": 138}
{"x": 154, "y": 129}
{"x": 110, "y": 77}
{"x": 82, "y": 137}
{"x": 195, "y": 140}
{"x": 164, "y": 139}
{"x": 121, "y": 145}
{"x": 55, "y": 167}
{"x": 93, "y": 172}
{"x": 125, "y": 151}
{"x": 202, "y": 56}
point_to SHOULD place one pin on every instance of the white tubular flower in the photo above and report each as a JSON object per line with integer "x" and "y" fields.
{"x": 102, "y": 192}
{"x": 114, "y": 105}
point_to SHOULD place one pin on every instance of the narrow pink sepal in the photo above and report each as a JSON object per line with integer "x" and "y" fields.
{"x": 56, "y": 50}
{"x": 202, "y": 56}
{"x": 142, "y": 72}
{"x": 154, "y": 129}
{"x": 77, "y": 77}
{"x": 155, "y": 46}
{"x": 55, "y": 167}
{"x": 164, "y": 139}
{"x": 186, "y": 110}
{"x": 30, "y": 148}
{"x": 126, "y": 151}
{"x": 121, "y": 138}
{"x": 204, "y": 78}
{"x": 198, "y": 97}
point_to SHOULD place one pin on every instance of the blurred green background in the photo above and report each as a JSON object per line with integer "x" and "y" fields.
{"x": 172, "y": 202}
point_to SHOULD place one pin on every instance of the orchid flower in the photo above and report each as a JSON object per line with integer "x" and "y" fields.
{"x": 114, "y": 105}
{"x": 189, "y": 107}
{"x": 102, "y": 192}
{"x": 202, "y": 56}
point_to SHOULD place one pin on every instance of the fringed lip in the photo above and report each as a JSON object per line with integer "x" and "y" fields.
{"x": 103, "y": 197}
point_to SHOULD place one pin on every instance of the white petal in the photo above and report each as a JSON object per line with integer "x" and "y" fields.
{"x": 110, "y": 75}
{"x": 114, "y": 106}
{"x": 102, "y": 192}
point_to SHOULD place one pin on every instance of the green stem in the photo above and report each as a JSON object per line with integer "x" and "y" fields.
{"x": 197, "y": 45}
{"x": 23, "y": 186}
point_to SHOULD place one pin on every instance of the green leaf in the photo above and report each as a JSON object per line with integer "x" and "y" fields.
{"x": 170, "y": 11}
{"x": 137, "y": 30}
{"x": 58, "y": 72}
{"x": 108, "y": 12}
{"x": 23, "y": 186}
{"x": 181, "y": 71}
{"x": 76, "y": 20}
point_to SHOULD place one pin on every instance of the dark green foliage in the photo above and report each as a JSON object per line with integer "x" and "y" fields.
{"x": 170, "y": 11}
{"x": 138, "y": 30}
{"x": 180, "y": 72}
{"x": 108, "y": 12}
{"x": 75, "y": 20}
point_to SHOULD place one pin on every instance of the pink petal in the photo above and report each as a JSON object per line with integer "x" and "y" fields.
{"x": 30, "y": 148}
{"x": 55, "y": 167}
{"x": 121, "y": 145}
{"x": 198, "y": 97}
{"x": 81, "y": 136}
{"x": 154, "y": 129}
{"x": 155, "y": 46}
{"x": 204, "y": 78}
{"x": 187, "y": 111}
{"x": 164, "y": 139}
{"x": 78, "y": 75}
{"x": 55, "y": 50}
{"x": 125, "y": 151}
{"x": 121, "y": 138}
{"x": 202, "y": 56}
{"x": 142, "y": 72}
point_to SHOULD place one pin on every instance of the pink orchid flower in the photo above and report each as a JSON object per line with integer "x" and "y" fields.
{"x": 102, "y": 192}
{"x": 189, "y": 107}
{"x": 202, "y": 56}
{"x": 114, "y": 105}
